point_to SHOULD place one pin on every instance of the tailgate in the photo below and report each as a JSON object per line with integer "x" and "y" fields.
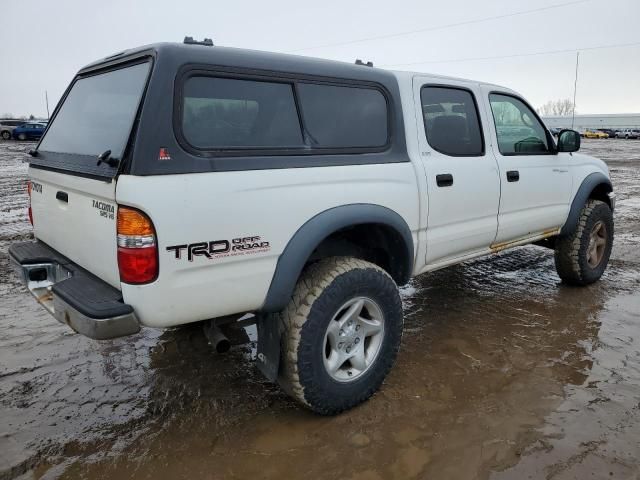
{"x": 73, "y": 172}
{"x": 77, "y": 217}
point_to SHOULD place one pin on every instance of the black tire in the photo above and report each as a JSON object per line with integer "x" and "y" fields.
{"x": 6, "y": 135}
{"x": 572, "y": 251}
{"x": 322, "y": 290}
{"x": 22, "y": 137}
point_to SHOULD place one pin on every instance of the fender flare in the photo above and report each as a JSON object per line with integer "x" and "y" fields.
{"x": 587, "y": 186}
{"x": 314, "y": 231}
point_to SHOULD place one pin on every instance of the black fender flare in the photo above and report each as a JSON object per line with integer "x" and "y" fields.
{"x": 314, "y": 231}
{"x": 587, "y": 186}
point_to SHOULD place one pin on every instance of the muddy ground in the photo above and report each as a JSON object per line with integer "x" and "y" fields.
{"x": 503, "y": 373}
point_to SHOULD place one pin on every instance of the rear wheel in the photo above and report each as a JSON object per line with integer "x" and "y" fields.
{"x": 582, "y": 256}
{"x": 6, "y": 135}
{"x": 341, "y": 334}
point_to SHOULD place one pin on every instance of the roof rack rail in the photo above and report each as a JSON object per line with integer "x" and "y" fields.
{"x": 207, "y": 42}
{"x": 360, "y": 62}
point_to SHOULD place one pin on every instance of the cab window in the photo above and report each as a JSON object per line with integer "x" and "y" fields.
{"x": 451, "y": 121}
{"x": 518, "y": 129}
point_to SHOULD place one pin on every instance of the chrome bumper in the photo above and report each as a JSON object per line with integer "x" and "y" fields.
{"x": 40, "y": 279}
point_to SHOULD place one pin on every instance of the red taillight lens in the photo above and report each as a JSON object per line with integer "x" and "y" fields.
{"x": 138, "y": 265}
{"x": 137, "y": 250}
{"x": 29, "y": 211}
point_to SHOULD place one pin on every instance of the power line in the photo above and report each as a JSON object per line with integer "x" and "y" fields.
{"x": 440, "y": 27}
{"x": 496, "y": 57}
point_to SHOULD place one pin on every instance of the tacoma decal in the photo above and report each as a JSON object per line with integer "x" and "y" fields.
{"x": 106, "y": 209}
{"x": 221, "y": 248}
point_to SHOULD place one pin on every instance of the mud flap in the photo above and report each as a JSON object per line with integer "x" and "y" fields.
{"x": 268, "y": 360}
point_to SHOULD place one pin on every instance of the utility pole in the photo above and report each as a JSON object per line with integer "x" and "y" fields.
{"x": 46, "y": 98}
{"x": 575, "y": 88}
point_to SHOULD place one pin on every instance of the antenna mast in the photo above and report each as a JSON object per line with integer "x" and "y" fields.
{"x": 575, "y": 88}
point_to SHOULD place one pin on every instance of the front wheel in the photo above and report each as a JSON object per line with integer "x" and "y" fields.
{"x": 582, "y": 256}
{"x": 22, "y": 136}
{"x": 341, "y": 334}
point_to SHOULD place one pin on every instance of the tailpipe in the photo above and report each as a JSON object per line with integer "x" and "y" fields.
{"x": 218, "y": 339}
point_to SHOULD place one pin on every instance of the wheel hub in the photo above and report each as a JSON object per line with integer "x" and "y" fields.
{"x": 597, "y": 244}
{"x": 353, "y": 339}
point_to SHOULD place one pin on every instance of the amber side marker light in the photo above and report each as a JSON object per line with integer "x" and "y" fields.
{"x": 137, "y": 247}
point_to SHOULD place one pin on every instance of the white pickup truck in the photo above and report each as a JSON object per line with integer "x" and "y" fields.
{"x": 185, "y": 183}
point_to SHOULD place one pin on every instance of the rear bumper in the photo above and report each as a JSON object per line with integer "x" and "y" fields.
{"x": 72, "y": 295}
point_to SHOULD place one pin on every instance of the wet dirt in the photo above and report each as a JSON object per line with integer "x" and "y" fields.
{"x": 504, "y": 373}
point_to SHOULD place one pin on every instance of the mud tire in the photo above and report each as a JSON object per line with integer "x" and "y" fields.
{"x": 321, "y": 290}
{"x": 571, "y": 250}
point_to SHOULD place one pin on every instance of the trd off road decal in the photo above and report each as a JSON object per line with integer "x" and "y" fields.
{"x": 106, "y": 210}
{"x": 36, "y": 187}
{"x": 220, "y": 248}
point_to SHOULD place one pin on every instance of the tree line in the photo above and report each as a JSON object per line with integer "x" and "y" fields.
{"x": 561, "y": 107}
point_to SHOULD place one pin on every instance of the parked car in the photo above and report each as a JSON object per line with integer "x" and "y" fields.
{"x": 29, "y": 131}
{"x": 555, "y": 131}
{"x": 315, "y": 188}
{"x": 609, "y": 131}
{"x": 628, "y": 133}
{"x": 594, "y": 134}
{"x": 7, "y": 126}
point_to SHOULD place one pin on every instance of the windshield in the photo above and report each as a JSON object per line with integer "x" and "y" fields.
{"x": 98, "y": 113}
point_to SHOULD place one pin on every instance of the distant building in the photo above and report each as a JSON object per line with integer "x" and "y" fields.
{"x": 582, "y": 122}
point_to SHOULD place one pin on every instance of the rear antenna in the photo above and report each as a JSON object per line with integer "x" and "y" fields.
{"x": 360, "y": 62}
{"x": 207, "y": 42}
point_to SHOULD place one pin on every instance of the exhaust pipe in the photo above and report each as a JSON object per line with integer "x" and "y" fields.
{"x": 218, "y": 339}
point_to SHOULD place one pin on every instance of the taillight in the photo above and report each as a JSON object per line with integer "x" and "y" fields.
{"x": 29, "y": 211}
{"x": 137, "y": 247}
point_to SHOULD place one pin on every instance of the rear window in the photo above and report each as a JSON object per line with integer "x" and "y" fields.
{"x": 451, "y": 121}
{"x": 98, "y": 113}
{"x": 289, "y": 116}
{"x": 221, "y": 113}
{"x": 343, "y": 117}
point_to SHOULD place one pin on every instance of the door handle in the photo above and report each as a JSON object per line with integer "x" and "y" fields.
{"x": 62, "y": 196}
{"x": 513, "y": 176}
{"x": 444, "y": 180}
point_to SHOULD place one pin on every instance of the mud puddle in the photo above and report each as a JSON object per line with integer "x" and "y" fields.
{"x": 503, "y": 373}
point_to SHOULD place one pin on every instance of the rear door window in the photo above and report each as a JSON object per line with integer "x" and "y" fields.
{"x": 343, "y": 117}
{"x": 223, "y": 113}
{"x": 451, "y": 121}
{"x": 98, "y": 113}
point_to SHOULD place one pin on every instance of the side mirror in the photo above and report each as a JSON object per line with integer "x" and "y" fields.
{"x": 568, "y": 141}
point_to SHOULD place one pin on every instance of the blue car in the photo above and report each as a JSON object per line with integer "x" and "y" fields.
{"x": 29, "y": 131}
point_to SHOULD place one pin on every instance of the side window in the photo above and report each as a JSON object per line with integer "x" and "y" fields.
{"x": 518, "y": 130}
{"x": 451, "y": 121}
{"x": 219, "y": 113}
{"x": 343, "y": 117}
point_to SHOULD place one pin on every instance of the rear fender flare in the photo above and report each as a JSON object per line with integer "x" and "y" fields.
{"x": 313, "y": 232}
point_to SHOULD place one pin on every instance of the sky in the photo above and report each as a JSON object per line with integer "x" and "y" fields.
{"x": 45, "y": 42}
